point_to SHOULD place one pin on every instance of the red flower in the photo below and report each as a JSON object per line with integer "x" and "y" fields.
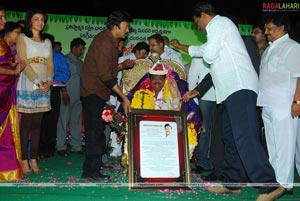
{"x": 107, "y": 115}
{"x": 116, "y": 120}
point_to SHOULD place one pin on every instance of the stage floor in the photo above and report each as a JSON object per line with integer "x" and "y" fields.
{"x": 61, "y": 180}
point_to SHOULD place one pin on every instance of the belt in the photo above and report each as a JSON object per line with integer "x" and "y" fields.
{"x": 41, "y": 60}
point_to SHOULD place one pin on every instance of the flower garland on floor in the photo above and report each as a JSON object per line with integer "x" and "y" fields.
{"x": 144, "y": 99}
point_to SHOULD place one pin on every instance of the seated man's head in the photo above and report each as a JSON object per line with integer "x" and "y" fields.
{"x": 157, "y": 75}
{"x": 157, "y": 82}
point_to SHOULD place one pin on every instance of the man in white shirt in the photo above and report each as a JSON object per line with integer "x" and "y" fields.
{"x": 157, "y": 45}
{"x": 279, "y": 97}
{"x": 236, "y": 84}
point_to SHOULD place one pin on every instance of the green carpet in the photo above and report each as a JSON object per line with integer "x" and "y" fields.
{"x": 61, "y": 181}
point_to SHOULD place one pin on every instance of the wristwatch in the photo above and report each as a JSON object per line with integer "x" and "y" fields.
{"x": 297, "y": 102}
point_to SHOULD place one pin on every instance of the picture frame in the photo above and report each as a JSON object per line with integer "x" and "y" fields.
{"x": 158, "y": 155}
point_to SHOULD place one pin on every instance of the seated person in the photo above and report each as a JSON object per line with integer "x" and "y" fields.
{"x": 161, "y": 88}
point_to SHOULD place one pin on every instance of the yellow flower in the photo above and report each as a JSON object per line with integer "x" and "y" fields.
{"x": 192, "y": 134}
{"x": 144, "y": 99}
{"x": 192, "y": 138}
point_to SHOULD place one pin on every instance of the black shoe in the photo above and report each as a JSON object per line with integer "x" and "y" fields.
{"x": 212, "y": 177}
{"x": 45, "y": 155}
{"x": 97, "y": 177}
{"x": 81, "y": 152}
{"x": 288, "y": 191}
{"x": 63, "y": 153}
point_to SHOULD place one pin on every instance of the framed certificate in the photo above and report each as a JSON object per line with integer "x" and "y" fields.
{"x": 158, "y": 149}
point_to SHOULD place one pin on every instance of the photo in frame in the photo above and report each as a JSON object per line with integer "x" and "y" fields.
{"x": 158, "y": 154}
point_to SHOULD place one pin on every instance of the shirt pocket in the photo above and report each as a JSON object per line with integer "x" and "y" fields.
{"x": 275, "y": 63}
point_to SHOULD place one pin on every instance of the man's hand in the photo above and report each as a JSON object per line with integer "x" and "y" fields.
{"x": 65, "y": 96}
{"x": 127, "y": 64}
{"x": 190, "y": 94}
{"x": 175, "y": 43}
{"x": 126, "y": 106}
{"x": 295, "y": 110}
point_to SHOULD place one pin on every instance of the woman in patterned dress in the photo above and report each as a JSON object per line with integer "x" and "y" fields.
{"x": 33, "y": 90}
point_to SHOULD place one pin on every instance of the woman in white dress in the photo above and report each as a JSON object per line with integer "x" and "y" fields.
{"x": 33, "y": 94}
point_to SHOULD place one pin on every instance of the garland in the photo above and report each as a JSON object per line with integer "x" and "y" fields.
{"x": 144, "y": 99}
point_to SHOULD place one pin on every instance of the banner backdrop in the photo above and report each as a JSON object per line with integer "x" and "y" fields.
{"x": 67, "y": 27}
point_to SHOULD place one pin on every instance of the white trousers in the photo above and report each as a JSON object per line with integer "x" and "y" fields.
{"x": 297, "y": 156}
{"x": 280, "y": 130}
{"x": 116, "y": 147}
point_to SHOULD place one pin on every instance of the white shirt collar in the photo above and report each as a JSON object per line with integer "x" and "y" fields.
{"x": 282, "y": 38}
{"x": 211, "y": 22}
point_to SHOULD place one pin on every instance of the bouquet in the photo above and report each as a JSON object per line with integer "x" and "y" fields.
{"x": 116, "y": 120}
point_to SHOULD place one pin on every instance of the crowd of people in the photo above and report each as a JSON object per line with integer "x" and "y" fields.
{"x": 241, "y": 94}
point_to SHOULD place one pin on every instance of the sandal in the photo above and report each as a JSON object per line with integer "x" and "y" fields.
{"x": 25, "y": 167}
{"x": 34, "y": 166}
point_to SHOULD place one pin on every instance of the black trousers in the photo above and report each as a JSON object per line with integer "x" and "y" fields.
{"x": 218, "y": 145}
{"x": 49, "y": 124}
{"x": 95, "y": 143}
{"x": 244, "y": 154}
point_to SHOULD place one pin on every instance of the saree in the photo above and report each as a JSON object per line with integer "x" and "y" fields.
{"x": 10, "y": 146}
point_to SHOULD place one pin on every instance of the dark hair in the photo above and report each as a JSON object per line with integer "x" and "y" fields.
{"x": 203, "y": 7}
{"x": 9, "y": 26}
{"x": 50, "y": 37}
{"x": 21, "y": 22}
{"x": 278, "y": 19}
{"x": 141, "y": 46}
{"x": 58, "y": 44}
{"x": 122, "y": 39}
{"x": 76, "y": 42}
{"x": 116, "y": 17}
{"x": 168, "y": 125}
{"x": 260, "y": 26}
{"x": 30, "y": 13}
{"x": 158, "y": 38}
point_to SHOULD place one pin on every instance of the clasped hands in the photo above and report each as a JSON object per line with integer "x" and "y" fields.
{"x": 44, "y": 86}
